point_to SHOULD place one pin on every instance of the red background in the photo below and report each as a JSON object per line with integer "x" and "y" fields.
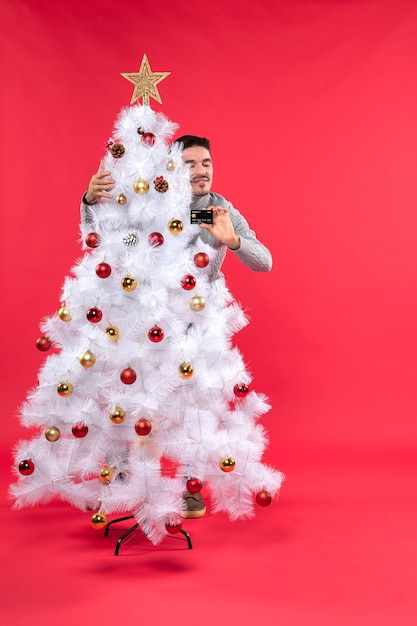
{"x": 311, "y": 110}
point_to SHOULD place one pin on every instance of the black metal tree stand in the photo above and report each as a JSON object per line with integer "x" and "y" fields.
{"x": 133, "y": 528}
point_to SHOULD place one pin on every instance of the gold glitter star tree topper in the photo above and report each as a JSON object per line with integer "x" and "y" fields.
{"x": 145, "y": 82}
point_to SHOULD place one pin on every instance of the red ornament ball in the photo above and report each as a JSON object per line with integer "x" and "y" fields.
{"x": 201, "y": 259}
{"x": 92, "y": 240}
{"x": 128, "y": 376}
{"x": 94, "y": 315}
{"x": 156, "y": 239}
{"x": 43, "y": 344}
{"x": 148, "y": 138}
{"x": 194, "y": 485}
{"x": 241, "y": 390}
{"x": 188, "y": 282}
{"x": 263, "y": 498}
{"x": 79, "y": 430}
{"x": 103, "y": 270}
{"x": 26, "y": 467}
{"x": 174, "y": 528}
{"x": 143, "y": 427}
{"x": 156, "y": 334}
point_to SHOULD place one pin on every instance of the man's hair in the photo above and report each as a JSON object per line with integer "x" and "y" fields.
{"x": 189, "y": 141}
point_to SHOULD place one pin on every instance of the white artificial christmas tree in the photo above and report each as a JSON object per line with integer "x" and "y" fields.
{"x": 144, "y": 393}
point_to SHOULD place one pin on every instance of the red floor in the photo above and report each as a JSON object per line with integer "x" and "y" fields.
{"x": 338, "y": 548}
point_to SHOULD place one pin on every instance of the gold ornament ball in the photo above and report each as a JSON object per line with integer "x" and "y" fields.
{"x": 98, "y": 520}
{"x": 227, "y": 464}
{"x": 171, "y": 165}
{"x": 121, "y": 199}
{"x": 141, "y": 186}
{"x": 64, "y": 313}
{"x": 118, "y": 415}
{"x": 64, "y": 389}
{"x": 106, "y": 474}
{"x": 52, "y": 433}
{"x": 87, "y": 359}
{"x": 197, "y": 303}
{"x": 112, "y": 333}
{"x": 129, "y": 283}
{"x": 186, "y": 370}
{"x": 175, "y": 226}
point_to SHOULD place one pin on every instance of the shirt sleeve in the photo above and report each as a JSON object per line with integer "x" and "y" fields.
{"x": 86, "y": 213}
{"x": 252, "y": 252}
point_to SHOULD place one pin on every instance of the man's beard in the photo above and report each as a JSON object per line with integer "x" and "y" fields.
{"x": 197, "y": 191}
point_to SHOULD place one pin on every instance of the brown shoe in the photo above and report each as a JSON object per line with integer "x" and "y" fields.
{"x": 194, "y": 506}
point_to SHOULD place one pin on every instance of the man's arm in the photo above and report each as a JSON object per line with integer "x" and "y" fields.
{"x": 232, "y": 230}
{"x": 99, "y": 186}
{"x": 222, "y": 228}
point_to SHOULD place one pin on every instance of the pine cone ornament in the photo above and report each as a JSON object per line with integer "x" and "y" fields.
{"x": 131, "y": 239}
{"x": 161, "y": 184}
{"x": 117, "y": 150}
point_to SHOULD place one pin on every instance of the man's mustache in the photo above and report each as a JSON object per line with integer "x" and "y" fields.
{"x": 195, "y": 178}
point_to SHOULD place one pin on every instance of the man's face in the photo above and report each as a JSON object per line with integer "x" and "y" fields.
{"x": 201, "y": 169}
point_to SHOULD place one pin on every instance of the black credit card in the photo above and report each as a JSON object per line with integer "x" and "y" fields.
{"x": 201, "y": 216}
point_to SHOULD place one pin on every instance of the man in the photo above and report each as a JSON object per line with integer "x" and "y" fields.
{"x": 229, "y": 230}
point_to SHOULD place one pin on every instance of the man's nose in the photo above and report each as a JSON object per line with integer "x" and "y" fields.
{"x": 198, "y": 169}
